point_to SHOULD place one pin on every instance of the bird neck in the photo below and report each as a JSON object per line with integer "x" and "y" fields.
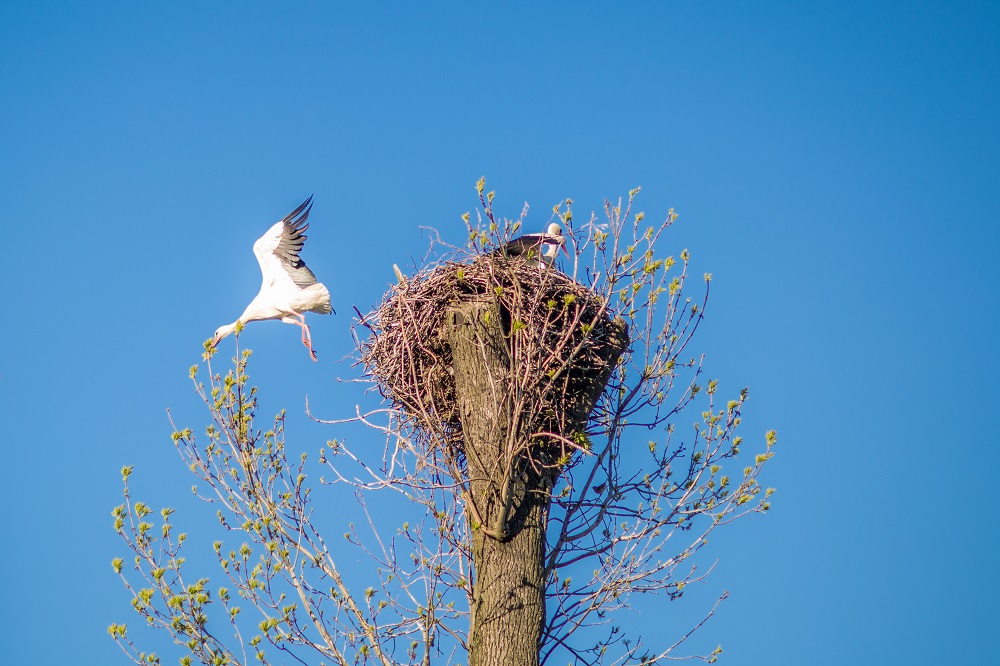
{"x": 228, "y": 329}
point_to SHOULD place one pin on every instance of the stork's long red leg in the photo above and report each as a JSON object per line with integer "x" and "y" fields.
{"x": 307, "y": 337}
{"x": 300, "y": 321}
{"x": 306, "y": 332}
{"x": 308, "y": 341}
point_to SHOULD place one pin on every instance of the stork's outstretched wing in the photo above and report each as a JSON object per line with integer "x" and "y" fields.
{"x": 278, "y": 250}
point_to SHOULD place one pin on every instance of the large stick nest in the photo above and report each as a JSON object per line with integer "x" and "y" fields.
{"x": 560, "y": 339}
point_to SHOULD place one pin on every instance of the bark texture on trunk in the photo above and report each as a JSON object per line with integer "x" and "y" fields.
{"x": 511, "y": 497}
{"x": 508, "y": 608}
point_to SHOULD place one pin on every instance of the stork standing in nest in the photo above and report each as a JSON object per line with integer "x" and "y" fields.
{"x": 537, "y": 249}
{"x": 289, "y": 289}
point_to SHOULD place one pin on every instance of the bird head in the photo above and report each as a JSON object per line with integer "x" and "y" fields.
{"x": 223, "y": 331}
{"x": 554, "y": 235}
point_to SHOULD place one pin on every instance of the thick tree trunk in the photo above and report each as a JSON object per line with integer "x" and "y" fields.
{"x": 509, "y": 502}
{"x": 508, "y": 608}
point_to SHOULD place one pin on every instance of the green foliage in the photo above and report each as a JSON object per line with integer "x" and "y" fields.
{"x": 265, "y": 494}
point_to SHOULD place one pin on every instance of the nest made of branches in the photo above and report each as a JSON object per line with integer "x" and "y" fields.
{"x": 560, "y": 338}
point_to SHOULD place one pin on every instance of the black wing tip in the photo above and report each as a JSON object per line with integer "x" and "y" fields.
{"x": 300, "y": 214}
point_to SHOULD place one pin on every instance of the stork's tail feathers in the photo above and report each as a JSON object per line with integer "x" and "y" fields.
{"x": 323, "y": 296}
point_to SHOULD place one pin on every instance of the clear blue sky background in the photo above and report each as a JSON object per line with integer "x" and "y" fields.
{"x": 835, "y": 166}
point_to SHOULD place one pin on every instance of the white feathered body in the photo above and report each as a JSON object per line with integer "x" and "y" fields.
{"x": 279, "y": 303}
{"x": 288, "y": 288}
{"x": 280, "y": 294}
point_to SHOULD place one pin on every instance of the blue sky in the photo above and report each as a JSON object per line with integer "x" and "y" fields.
{"x": 836, "y": 168}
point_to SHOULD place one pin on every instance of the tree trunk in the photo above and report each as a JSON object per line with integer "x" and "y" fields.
{"x": 509, "y": 503}
{"x": 508, "y": 607}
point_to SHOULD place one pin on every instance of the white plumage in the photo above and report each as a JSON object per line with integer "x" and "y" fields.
{"x": 289, "y": 289}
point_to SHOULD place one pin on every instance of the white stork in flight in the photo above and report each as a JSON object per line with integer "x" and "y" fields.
{"x": 538, "y": 249}
{"x": 289, "y": 288}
